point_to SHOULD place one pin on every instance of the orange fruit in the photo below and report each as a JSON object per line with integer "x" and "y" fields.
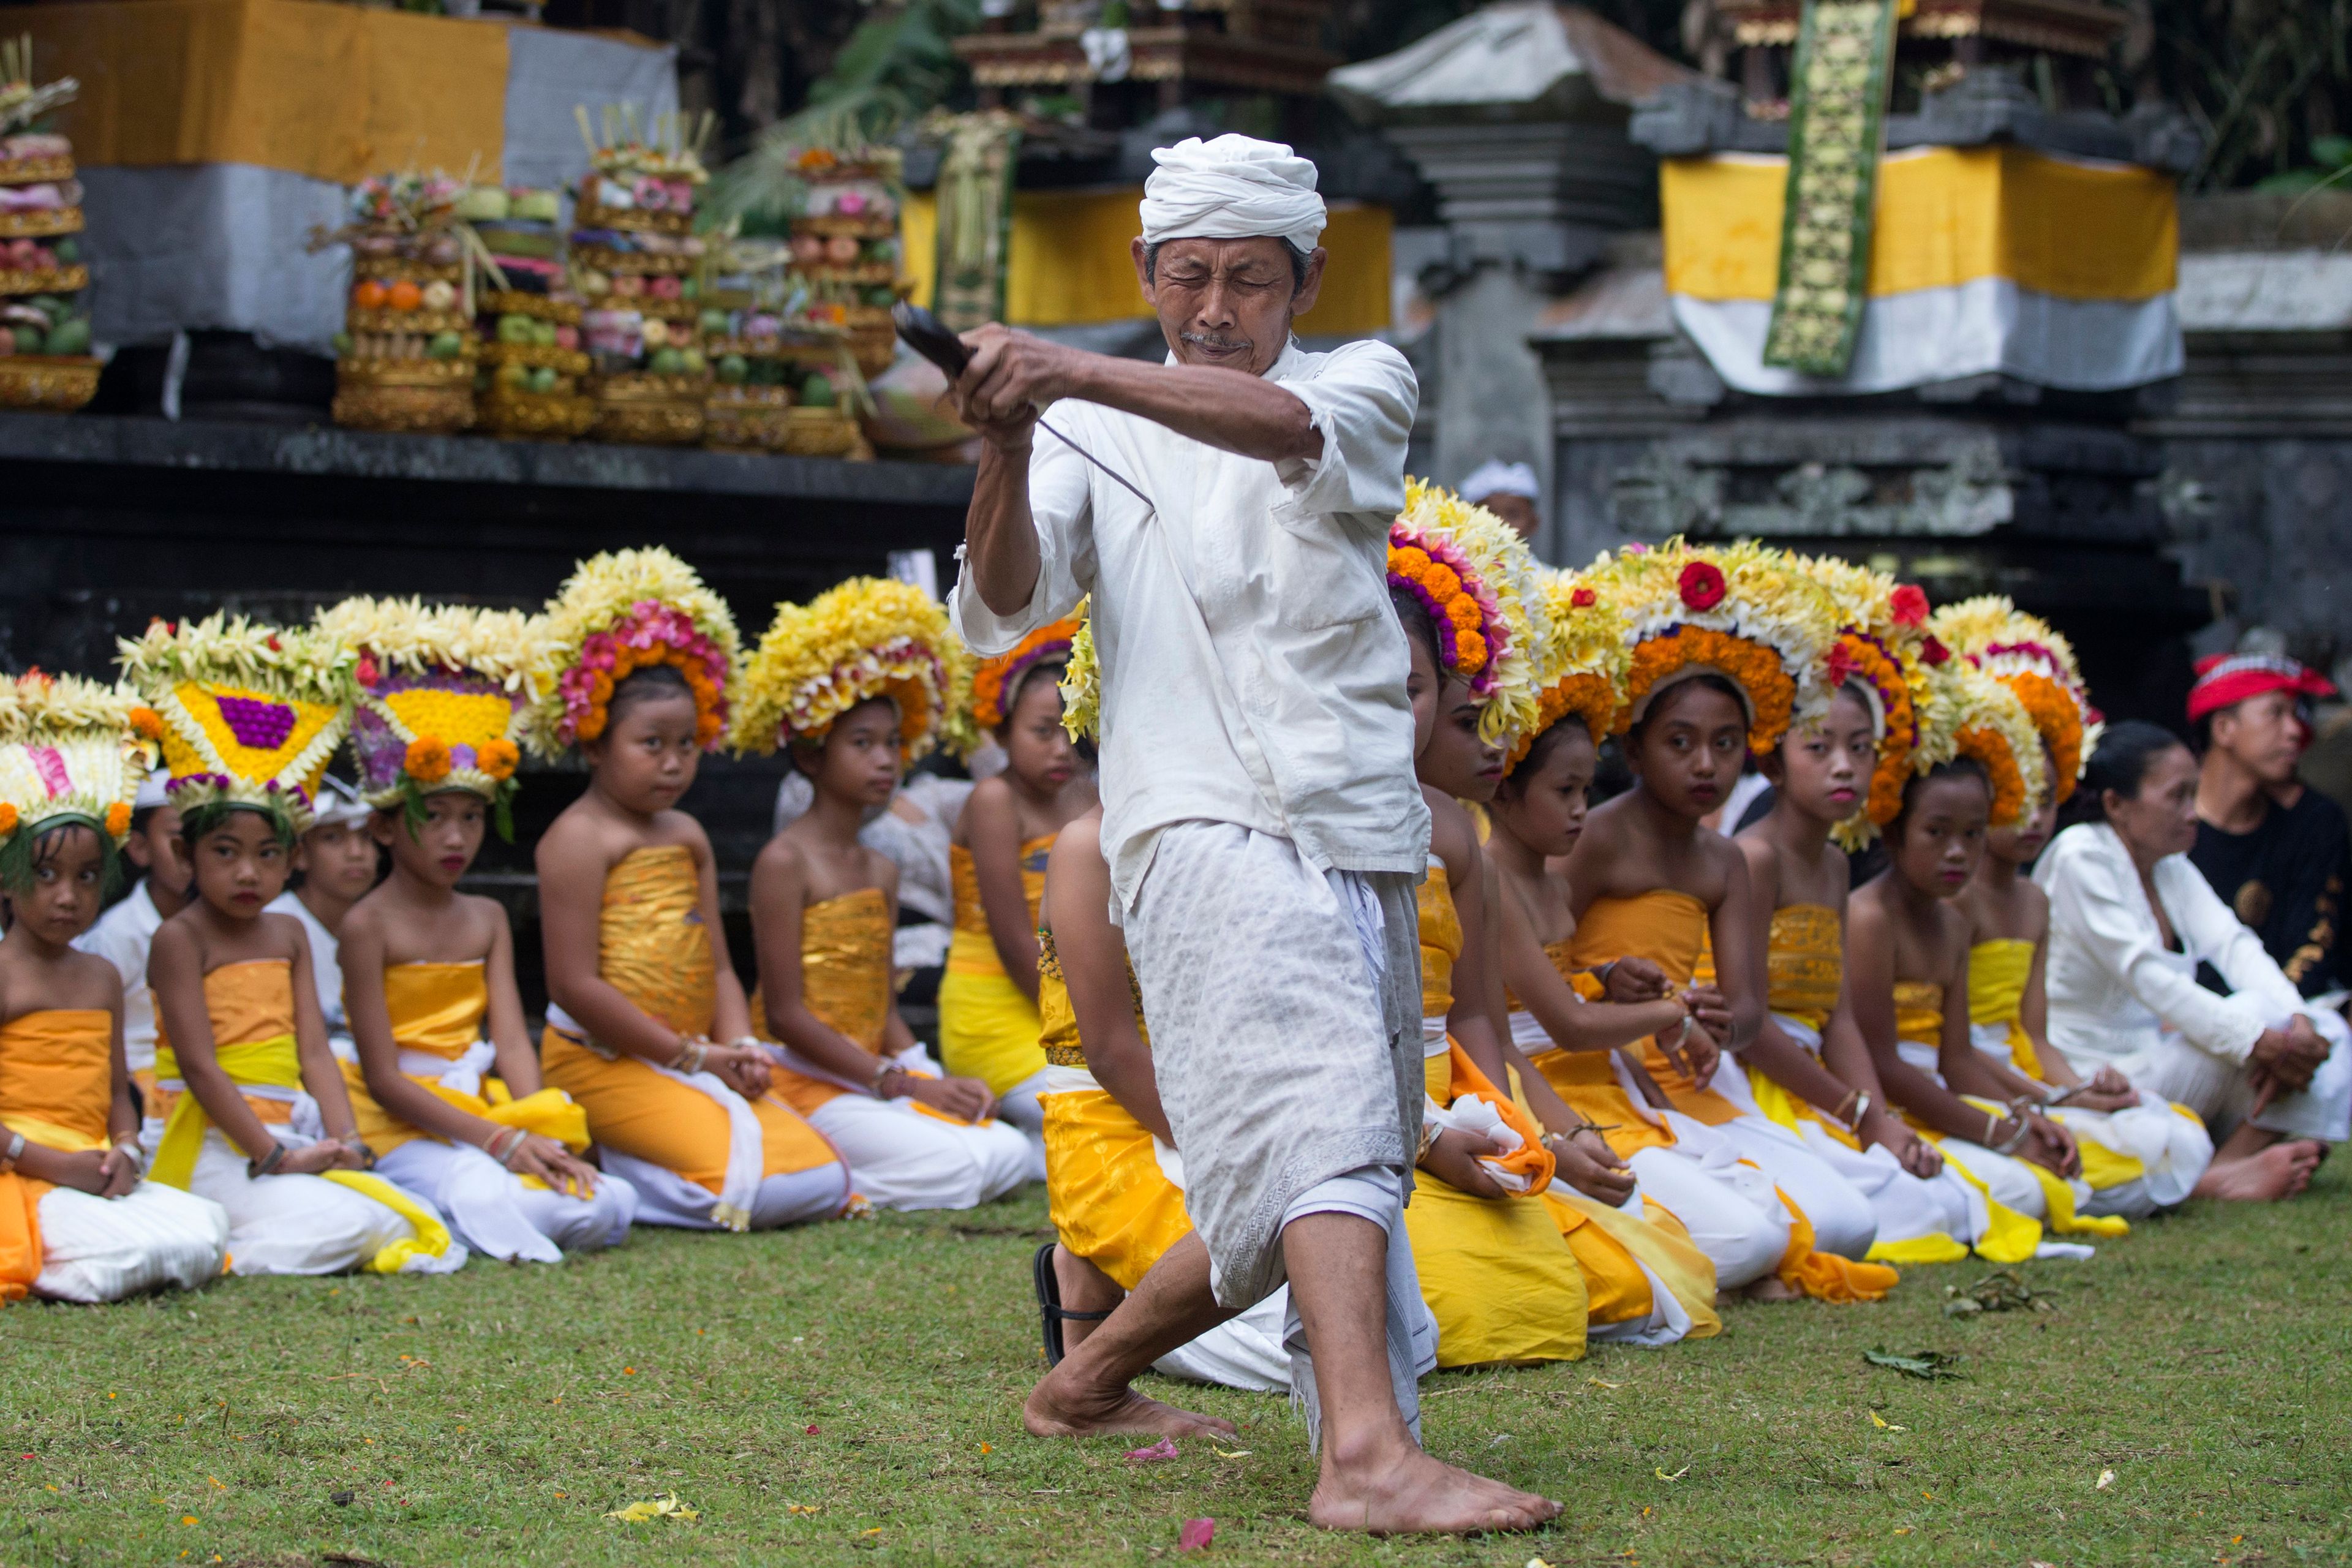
{"x": 368, "y": 295}
{"x": 405, "y": 295}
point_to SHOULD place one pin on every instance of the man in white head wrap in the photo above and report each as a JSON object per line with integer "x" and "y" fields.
{"x": 1228, "y": 511}
{"x": 1510, "y": 492}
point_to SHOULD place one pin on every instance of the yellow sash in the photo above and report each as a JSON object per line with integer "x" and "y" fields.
{"x": 274, "y": 1063}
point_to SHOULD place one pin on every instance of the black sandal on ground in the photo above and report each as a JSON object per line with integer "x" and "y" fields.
{"x": 1050, "y": 1314}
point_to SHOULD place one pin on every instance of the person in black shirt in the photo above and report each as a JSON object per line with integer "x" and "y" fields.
{"x": 2277, "y": 852}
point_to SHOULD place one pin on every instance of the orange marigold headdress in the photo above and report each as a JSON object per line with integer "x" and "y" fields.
{"x": 996, "y": 680}
{"x": 2034, "y": 660}
{"x": 1582, "y": 663}
{"x": 1882, "y": 648}
{"x": 619, "y": 613}
{"x": 1475, "y": 576}
{"x": 1741, "y": 611}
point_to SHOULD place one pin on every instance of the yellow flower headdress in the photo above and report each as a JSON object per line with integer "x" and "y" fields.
{"x": 1881, "y": 647}
{"x": 251, "y": 714}
{"x": 995, "y": 680}
{"x": 1082, "y": 680}
{"x": 442, "y": 694}
{"x": 70, "y": 750}
{"x": 1741, "y": 611}
{"x": 1967, "y": 713}
{"x": 2033, "y": 660}
{"x": 1583, "y": 662}
{"x": 871, "y": 636}
{"x": 1478, "y": 579}
{"x": 621, "y": 612}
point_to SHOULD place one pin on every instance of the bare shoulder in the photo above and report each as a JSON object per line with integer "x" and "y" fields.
{"x": 1079, "y": 841}
{"x": 579, "y": 836}
{"x": 369, "y": 917}
{"x": 674, "y": 827}
{"x": 1762, "y": 857}
{"x": 489, "y": 914}
{"x": 780, "y": 853}
{"x": 284, "y": 934}
{"x": 882, "y": 869}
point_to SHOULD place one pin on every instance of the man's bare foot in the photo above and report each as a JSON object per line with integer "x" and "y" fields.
{"x": 1771, "y": 1288}
{"x": 2280, "y": 1171}
{"x": 1061, "y": 1407}
{"x": 1404, "y": 1491}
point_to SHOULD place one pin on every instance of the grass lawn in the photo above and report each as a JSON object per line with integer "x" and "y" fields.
{"x": 856, "y": 1388}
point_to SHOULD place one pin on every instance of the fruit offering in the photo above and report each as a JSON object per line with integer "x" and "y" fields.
{"x": 405, "y": 358}
{"x": 845, "y": 249}
{"x": 45, "y": 358}
{"x": 637, "y": 267}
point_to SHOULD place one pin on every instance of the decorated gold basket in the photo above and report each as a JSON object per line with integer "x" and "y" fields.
{"x": 414, "y": 396}
{"x": 604, "y": 259}
{"x": 538, "y": 306}
{"x": 40, "y": 223}
{"x": 641, "y": 407}
{"x": 544, "y": 415}
{"x": 535, "y": 356}
{"x": 748, "y": 419}
{"x": 46, "y": 281}
{"x": 61, "y": 383}
{"x": 589, "y": 213}
{"x": 37, "y": 171}
{"x": 824, "y": 433}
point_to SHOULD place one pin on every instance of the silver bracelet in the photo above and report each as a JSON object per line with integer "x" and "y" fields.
{"x": 2011, "y": 1144}
{"x": 690, "y": 1057}
{"x": 131, "y": 1150}
{"x": 1861, "y": 1109}
{"x": 15, "y": 1148}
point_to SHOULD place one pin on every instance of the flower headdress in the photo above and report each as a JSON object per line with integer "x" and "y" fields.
{"x": 1964, "y": 712}
{"x": 1478, "y": 579}
{"x": 996, "y": 680}
{"x": 71, "y": 751}
{"x": 1082, "y": 680}
{"x": 1583, "y": 663}
{"x": 443, "y": 693}
{"x": 621, "y": 612}
{"x": 1883, "y": 648}
{"x": 871, "y": 636}
{"x": 2033, "y": 660}
{"x": 1740, "y": 611}
{"x": 250, "y": 713}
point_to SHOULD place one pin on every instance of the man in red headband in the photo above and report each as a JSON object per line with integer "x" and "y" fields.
{"x": 2276, "y": 851}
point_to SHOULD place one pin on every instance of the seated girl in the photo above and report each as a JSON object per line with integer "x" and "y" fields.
{"x": 2139, "y": 1152}
{"x": 647, "y": 1029}
{"x": 335, "y": 865}
{"x": 853, "y": 683}
{"x": 252, "y": 1107}
{"x": 1906, "y": 965}
{"x": 988, "y": 999}
{"x": 444, "y": 1083}
{"x": 2130, "y": 919}
{"x": 76, "y": 1221}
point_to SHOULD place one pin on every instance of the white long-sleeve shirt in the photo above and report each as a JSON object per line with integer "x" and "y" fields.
{"x": 2114, "y": 986}
{"x": 122, "y": 936}
{"x": 1252, "y": 670}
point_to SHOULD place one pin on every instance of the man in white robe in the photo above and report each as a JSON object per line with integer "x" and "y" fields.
{"x": 1229, "y": 515}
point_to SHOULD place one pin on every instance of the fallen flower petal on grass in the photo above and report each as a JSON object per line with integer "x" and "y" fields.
{"x": 1603, "y": 1382}
{"x": 1884, "y": 1425}
{"x": 1660, "y": 1471}
{"x": 664, "y": 1507}
{"x": 1231, "y": 1453}
{"x": 1196, "y": 1534}
{"x": 2107, "y": 1480}
{"x": 1163, "y": 1449}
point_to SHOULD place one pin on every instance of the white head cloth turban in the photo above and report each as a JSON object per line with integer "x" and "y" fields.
{"x": 338, "y": 805}
{"x": 1236, "y": 187}
{"x": 1492, "y": 477}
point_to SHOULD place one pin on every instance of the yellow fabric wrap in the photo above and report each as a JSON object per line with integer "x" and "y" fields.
{"x": 1611, "y": 1246}
{"x": 1945, "y": 215}
{"x": 1824, "y": 1276}
{"x": 844, "y": 981}
{"x": 651, "y": 945}
{"x": 1669, "y": 928}
{"x": 334, "y": 93}
{"x": 1998, "y": 973}
{"x": 1066, "y": 261}
{"x": 1804, "y": 962}
{"x": 274, "y": 1063}
{"x": 988, "y": 1026}
{"x": 57, "y": 1085}
{"x": 1441, "y": 940}
{"x": 1586, "y": 1081}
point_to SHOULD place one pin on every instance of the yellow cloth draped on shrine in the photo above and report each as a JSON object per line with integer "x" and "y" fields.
{"x": 988, "y": 1026}
{"x": 653, "y": 947}
{"x": 436, "y": 1009}
{"x": 1109, "y": 1201}
{"x": 251, "y": 1008}
{"x": 57, "y": 1085}
{"x": 1669, "y": 928}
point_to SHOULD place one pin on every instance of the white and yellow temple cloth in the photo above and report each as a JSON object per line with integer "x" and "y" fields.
{"x": 435, "y": 1012}
{"x": 281, "y": 1225}
{"x": 2000, "y": 260}
{"x": 69, "y": 1246}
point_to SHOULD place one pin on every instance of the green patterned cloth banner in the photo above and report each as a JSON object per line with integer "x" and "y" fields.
{"x": 1838, "y": 88}
{"x": 975, "y": 208}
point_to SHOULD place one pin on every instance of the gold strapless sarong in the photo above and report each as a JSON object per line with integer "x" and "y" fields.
{"x": 1669, "y": 928}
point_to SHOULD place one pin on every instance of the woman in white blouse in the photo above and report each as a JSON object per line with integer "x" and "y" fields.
{"x": 2130, "y": 919}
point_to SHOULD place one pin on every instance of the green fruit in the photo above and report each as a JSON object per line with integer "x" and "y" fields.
{"x": 714, "y": 323}
{"x": 515, "y": 329}
{"x": 817, "y": 391}
{"x": 29, "y": 339}
{"x": 68, "y": 249}
{"x": 882, "y": 296}
{"x": 668, "y": 361}
{"x": 734, "y": 369}
{"x": 694, "y": 361}
{"x": 543, "y": 379}
{"x": 543, "y": 333}
{"x": 68, "y": 338}
{"x": 48, "y": 305}
{"x": 342, "y": 342}
{"x": 445, "y": 345}
{"x": 689, "y": 288}
{"x": 514, "y": 376}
